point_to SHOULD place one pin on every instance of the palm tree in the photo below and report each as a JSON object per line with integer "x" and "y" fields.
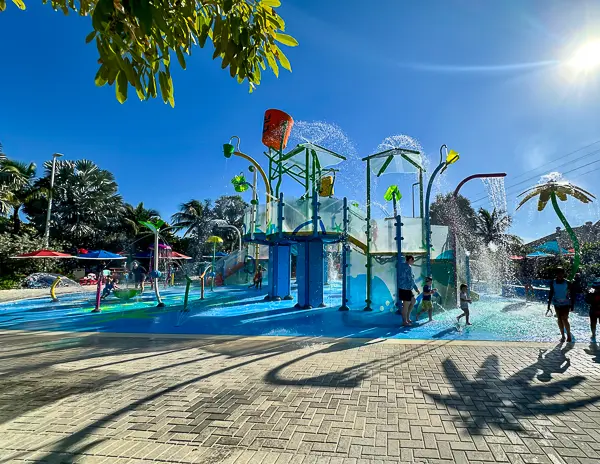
{"x": 550, "y": 191}
{"x": 85, "y": 201}
{"x": 19, "y": 180}
{"x": 491, "y": 227}
{"x": 133, "y": 215}
{"x": 192, "y": 217}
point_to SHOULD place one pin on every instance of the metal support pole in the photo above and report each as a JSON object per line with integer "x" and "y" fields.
{"x": 156, "y": 253}
{"x": 280, "y": 217}
{"x": 398, "y": 239}
{"x": 49, "y": 212}
{"x": 413, "y": 198}
{"x": 369, "y": 257}
{"x": 428, "y": 220}
{"x": 421, "y": 192}
{"x": 345, "y": 251}
{"x": 315, "y": 214}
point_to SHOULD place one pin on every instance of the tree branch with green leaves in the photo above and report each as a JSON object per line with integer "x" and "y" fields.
{"x": 137, "y": 39}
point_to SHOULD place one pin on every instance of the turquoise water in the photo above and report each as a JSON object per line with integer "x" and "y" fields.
{"x": 242, "y": 311}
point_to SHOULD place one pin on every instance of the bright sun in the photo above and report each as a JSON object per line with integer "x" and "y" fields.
{"x": 587, "y": 57}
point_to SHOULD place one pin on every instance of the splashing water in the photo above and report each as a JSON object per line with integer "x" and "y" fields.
{"x": 551, "y": 177}
{"x": 496, "y": 192}
{"x": 350, "y": 181}
{"x": 404, "y": 141}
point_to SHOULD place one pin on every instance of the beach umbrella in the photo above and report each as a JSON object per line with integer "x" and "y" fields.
{"x": 177, "y": 255}
{"x": 100, "y": 255}
{"x": 46, "y": 254}
{"x": 43, "y": 254}
{"x": 539, "y": 254}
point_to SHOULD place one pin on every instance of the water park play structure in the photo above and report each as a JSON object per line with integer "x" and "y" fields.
{"x": 370, "y": 250}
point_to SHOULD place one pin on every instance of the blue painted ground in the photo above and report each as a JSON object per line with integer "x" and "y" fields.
{"x": 242, "y": 311}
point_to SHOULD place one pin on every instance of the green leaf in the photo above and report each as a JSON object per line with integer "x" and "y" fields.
{"x": 99, "y": 80}
{"x": 2, "y": 5}
{"x": 91, "y": 36}
{"x": 285, "y": 39}
{"x": 285, "y": 63}
{"x": 271, "y": 3}
{"x": 162, "y": 80}
{"x": 180, "y": 57}
{"x": 121, "y": 87}
{"x": 19, "y": 3}
{"x": 273, "y": 64}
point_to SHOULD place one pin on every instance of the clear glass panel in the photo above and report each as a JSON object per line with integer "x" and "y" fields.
{"x": 383, "y": 234}
{"x": 357, "y": 225}
{"x": 384, "y": 284}
{"x": 331, "y": 212}
{"x": 439, "y": 243}
{"x": 412, "y": 232}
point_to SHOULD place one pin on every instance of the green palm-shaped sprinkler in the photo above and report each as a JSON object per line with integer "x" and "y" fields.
{"x": 550, "y": 191}
{"x": 154, "y": 225}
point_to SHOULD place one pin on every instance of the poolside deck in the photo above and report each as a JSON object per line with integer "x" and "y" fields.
{"x": 93, "y": 398}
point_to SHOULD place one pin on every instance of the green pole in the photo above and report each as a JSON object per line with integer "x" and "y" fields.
{"x": 212, "y": 281}
{"x": 574, "y": 240}
{"x": 369, "y": 258}
{"x": 421, "y": 192}
{"x": 187, "y": 293}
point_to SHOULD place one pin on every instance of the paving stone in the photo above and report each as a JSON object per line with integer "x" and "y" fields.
{"x": 247, "y": 400}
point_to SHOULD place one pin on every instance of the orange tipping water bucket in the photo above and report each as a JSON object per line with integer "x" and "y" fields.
{"x": 276, "y": 129}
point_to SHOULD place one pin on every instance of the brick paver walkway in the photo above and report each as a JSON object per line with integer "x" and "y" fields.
{"x": 86, "y": 398}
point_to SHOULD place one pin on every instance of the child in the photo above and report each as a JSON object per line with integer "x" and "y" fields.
{"x": 464, "y": 303}
{"x": 111, "y": 284}
{"x": 593, "y": 299}
{"x": 258, "y": 278}
{"x": 426, "y": 304}
{"x": 561, "y": 296}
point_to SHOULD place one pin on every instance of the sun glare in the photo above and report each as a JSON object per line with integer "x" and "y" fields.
{"x": 587, "y": 57}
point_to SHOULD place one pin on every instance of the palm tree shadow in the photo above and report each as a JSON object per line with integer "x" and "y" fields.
{"x": 493, "y": 397}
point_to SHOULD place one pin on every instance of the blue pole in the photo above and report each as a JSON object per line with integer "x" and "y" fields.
{"x": 398, "y": 239}
{"x": 345, "y": 249}
{"x": 315, "y": 216}
{"x": 428, "y": 220}
{"x": 467, "y": 264}
{"x": 280, "y": 217}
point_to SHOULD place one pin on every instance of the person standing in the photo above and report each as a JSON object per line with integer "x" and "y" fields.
{"x": 406, "y": 284}
{"x": 561, "y": 296}
{"x": 139, "y": 275}
{"x": 464, "y": 304}
{"x": 593, "y": 299}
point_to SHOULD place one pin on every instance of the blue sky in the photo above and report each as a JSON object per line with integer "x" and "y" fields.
{"x": 483, "y": 77}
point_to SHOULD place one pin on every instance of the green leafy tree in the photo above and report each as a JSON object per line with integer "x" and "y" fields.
{"x": 457, "y": 214}
{"x": 86, "y": 208}
{"x": 491, "y": 227}
{"x": 193, "y": 219}
{"x": 20, "y": 187}
{"x": 230, "y": 208}
{"x": 137, "y": 40}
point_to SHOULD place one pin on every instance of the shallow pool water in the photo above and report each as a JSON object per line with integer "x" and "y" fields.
{"x": 243, "y": 311}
